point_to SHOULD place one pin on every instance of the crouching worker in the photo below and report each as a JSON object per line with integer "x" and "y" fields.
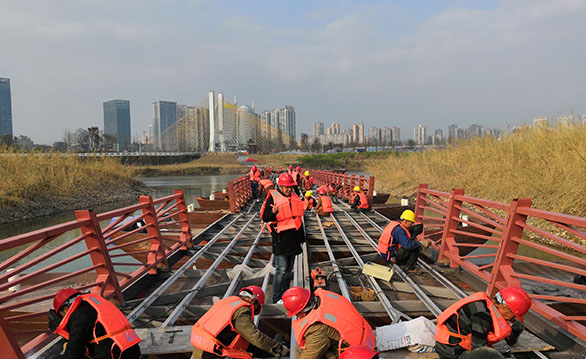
{"x": 92, "y": 326}
{"x": 324, "y": 204}
{"x": 359, "y": 202}
{"x": 395, "y": 244}
{"x": 326, "y": 324}
{"x": 467, "y": 327}
{"x": 227, "y": 329}
{"x": 308, "y": 201}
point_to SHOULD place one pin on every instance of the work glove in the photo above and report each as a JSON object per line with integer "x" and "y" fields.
{"x": 425, "y": 243}
{"x": 284, "y": 351}
{"x": 54, "y": 319}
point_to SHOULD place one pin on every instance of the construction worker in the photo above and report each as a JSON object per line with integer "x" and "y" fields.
{"x": 227, "y": 329}
{"x": 92, "y": 326}
{"x": 308, "y": 201}
{"x": 265, "y": 185}
{"x": 467, "y": 327}
{"x": 326, "y": 323}
{"x": 297, "y": 178}
{"x": 359, "y": 352}
{"x": 324, "y": 204}
{"x": 359, "y": 202}
{"x": 395, "y": 244}
{"x": 254, "y": 176}
{"x": 307, "y": 181}
{"x": 290, "y": 170}
{"x": 283, "y": 213}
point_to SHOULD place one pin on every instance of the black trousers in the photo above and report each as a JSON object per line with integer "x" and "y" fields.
{"x": 407, "y": 257}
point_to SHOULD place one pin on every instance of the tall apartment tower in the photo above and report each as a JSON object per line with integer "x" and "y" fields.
{"x": 212, "y": 115}
{"x": 419, "y": 135}
{"x": 5, "y": 107}
{"x": 164, "y": 117}
{"x": 318, "y": 128}
{"x": 452, "y": 133}
{"x": 395, "y": 136}
{"x": 358, "y": 134}
{"x": 117, "y": 122}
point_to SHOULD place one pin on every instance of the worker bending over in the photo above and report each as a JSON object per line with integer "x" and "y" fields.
{"x": 265, "y": 185}
{"x": 467, "y": 327}
{"x": 227, "y": 329}
{"x": 324, "y": 204}
{"x": 396, "y": 246}
{"x": 92, "y": 326}
{"x": 326, "y": 323}
{"x": 359, "y": 202}
{"x": 283, "y": 213}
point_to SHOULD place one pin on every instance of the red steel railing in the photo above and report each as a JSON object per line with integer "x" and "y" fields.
{"x": 104, "y": 253}
{"x": 348, "y": 182}
{"x": 239, "y": 192}
{"x": 508, "y": 230}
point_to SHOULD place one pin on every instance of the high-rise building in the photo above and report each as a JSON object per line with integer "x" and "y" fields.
{"x": 192, "y": 128}
{"x": 5, "y": 107}
{"x": 386, "y": 135}
{"x": 249, "y": 129}
{"x": 419, "y": 134}
{"x": 452, "y": 133}
{"x": 438, "y": 137}
{"x": 164, "y": 117}
{"x": 358, "y": 133}
{"x": 334, "y": 129}
{"x": 117, "y": 123}
{"x": 395, "y": 136}
{"x": 318, "y": 128}
{"x": 374, "y": 136}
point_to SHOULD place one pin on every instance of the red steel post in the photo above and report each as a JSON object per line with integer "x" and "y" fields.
{"x": 420, "y": 202}
{"x": 185, "y": 236}
{"x": 231, "y": 197}
{"x": 370, "y": 190}
{"x": 8, "y": 346}
{"x": 447, "y": 248}
{"x": 503, "y": 265}
{"x": 157, "y": 256}
{"x": 100, "y": 256}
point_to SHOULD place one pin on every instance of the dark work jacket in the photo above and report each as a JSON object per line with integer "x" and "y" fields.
{"x": 81, "y": 331}
{"x": 287, "y": 242}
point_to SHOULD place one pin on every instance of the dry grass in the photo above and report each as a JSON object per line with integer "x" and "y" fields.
{"x": 26, "y": 177}
{"x": 277, "y": 160}
{"x": 545, "y": 164}
{"x": 209, "y": 164}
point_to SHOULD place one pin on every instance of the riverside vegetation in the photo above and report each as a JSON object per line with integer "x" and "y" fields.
{"x": 38, "y": 184}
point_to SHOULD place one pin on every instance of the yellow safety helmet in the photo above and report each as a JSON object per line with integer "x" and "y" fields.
{"x": 308, "y": 194}
{"x": 408, "y": 215}
{"x": 356, "y": 189}
{"x": 306, "y": 173}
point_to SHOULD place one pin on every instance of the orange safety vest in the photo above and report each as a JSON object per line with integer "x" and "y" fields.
{"x": 501, "y": 328}
{"x": 254, "y": 176}
{"x": 326, "y": 204}
{"x": 339, "y": 313}
{"x": 308, "y": 204}
{"x": 363, "y": 200}
{"x": 295, "y": 174}
{"x": 205, "y": 331}
{"x": 308, "y": 183}
{"x": 266, "y": 183}
{"x": 290, "y": 213}
{"x": 110, "y": 317}
{"x": 386, "y": 238}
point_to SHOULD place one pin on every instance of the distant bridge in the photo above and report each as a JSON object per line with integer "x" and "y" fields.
{"x": 145, "y": 158}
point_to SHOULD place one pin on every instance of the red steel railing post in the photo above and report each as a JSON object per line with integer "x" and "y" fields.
{"x": 447, "y": 248}
{"x": 185, "y": 236}
{"x": 231, "y": 197}
{"x": 8, "y": 346}
{"x": 100, "y": 256}
{"x": 157, "y": 254}
{"x": 420, "y": 203}
{"x": 370, "y": 190}
{"x": 503, "y": 265}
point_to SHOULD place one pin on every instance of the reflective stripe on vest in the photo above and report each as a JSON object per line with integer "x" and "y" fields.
{"x": 109, "y": 316}
{"x": 386, "y": 238}
{"x": 339, "y": 313}
{"x": 205, "y": 331}
{"x": 290, "y": 213}
{"x": 501, "y": 327}
{"x": 326, "y": 204}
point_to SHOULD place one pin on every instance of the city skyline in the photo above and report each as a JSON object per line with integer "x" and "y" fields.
{"x": 438, "y": 63}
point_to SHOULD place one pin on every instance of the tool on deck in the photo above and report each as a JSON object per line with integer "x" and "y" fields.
{"x": 319, "y": 278}
{"x": 378, "y": 271}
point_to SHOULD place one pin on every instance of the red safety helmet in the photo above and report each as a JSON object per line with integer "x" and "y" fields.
{"x": 359, "y": 352}
{"x": 62, "y": 296}
{"x": 295, "y": 299}
{"x": 254, "y": 168}
{"x": 257, "y": 291}
{"x": 517, "y": 300}
{"x": 321, "y": 192}
{"x": 291, "y": 166}
{"x": 286, "y": 180}
{"x": 298, "y": 169}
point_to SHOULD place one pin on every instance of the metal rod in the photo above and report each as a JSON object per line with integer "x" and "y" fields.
{"x": 136, "y": 312}
{"x": 172, "y": 318}
{"x": 341, "y": 283}
{"x": 265, "y": 285}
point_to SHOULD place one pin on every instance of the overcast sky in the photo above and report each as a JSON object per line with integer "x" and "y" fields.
{"x": 383, "y": 63}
